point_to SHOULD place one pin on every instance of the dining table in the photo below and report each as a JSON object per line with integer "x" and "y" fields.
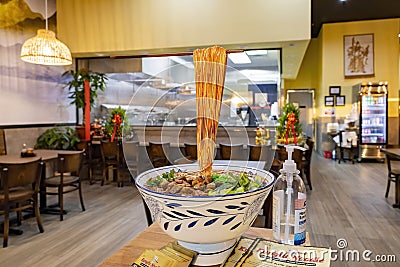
{"x": 47, "y": 157}
{"x": 153, "y": 237}
{"x": 395, "y": 153}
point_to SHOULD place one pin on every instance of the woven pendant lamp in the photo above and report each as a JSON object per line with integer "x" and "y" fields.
{"x": 45, "y": 49}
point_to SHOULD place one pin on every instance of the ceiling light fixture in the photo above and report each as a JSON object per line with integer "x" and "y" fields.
{"x": 45, "y": 49}
{"x": 183, "y": 62}
{"x": 239, "y": 58}
{"x": 257, "y": 52}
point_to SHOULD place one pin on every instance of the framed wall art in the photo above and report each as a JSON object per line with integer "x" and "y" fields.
{"x": 358, "y": 55}
{"x": 334, "y": 90}
{"x": 329, "y": 101}
{"x": 340, "y": 100}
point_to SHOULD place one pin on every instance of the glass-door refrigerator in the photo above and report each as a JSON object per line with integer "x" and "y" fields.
{"x": 373, "y": 120}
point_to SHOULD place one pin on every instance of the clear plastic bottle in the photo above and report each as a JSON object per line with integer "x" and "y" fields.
{"x": 289, "y": 204}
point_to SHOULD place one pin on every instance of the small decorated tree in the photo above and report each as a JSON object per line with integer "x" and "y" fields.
{"x": 117, "y": 123}
{"x": 289, "y": 129}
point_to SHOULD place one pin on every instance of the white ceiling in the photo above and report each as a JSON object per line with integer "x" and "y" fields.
{"x": 262, "y": 69}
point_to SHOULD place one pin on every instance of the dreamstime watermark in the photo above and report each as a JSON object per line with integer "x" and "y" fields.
{"x": 316, "y": 256}
{"x": 354, "y": 255}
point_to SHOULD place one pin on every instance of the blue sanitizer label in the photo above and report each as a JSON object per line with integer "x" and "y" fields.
{"x": 300, "y": 218}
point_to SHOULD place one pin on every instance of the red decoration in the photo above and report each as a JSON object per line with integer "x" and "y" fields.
{"x": 87, "y": 110}
{"x": 117, "y": 125}
{"x": 290, "y": 126}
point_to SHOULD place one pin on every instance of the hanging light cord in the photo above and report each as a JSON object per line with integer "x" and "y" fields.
{"x": 45, "y": 49}
{"x": 47, "y": 24}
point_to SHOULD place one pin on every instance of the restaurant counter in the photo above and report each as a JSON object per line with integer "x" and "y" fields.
{"x": 177, "y": 136}
{"x": 187, "y": 134}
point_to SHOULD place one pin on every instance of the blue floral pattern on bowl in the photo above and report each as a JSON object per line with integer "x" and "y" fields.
{"x": 204, "y": 219}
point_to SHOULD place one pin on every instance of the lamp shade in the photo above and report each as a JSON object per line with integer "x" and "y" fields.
{"x": 45, "y": 49}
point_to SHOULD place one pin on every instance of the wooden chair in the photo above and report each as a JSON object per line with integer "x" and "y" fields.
{"x": 66, "y": 179}
{"x": 189, "y": 154}
{"x": 393, "y": 171}
{"x": 306, "y": 163}
{"x": 190, "y": 151}
{"x": 157, "y": 153}
{"x": 345, "y": 146}
{"x": 111, "y": 158}
{"x": 254, "y": 152}
{"x": 3, "y": 148}
{"x": 232, "y": 152}
{"x": 261, "y": 153}
{"x": 131, "y": 156}
{"x": 90, "y": 163}
{"x": 19, "y": 184}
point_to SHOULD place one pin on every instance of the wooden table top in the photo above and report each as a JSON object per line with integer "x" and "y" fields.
{"x": 394, "y": 152}
{"x": 45, "y": 154}
{"x": 155, "y": 238}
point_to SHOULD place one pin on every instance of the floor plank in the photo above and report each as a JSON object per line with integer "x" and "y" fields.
{"x": 347, "y": 201}
{"x": 113, "y": 216}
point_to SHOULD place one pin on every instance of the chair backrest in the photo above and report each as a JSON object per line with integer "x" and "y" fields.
{"x": 390, "y": 158}
{"x": 267, "y": 155}
{"x": 86, "y": 146}
{"x": 158, "y": 149}
{"x": 158, "y": 153}
{"x": 70, "y": 162}
{"x": 3, "y": 149}
{"x": 190, "y": 151}
{"x": 254, "y": 151}
{"x": 131, "y": 151}
{"x": 262, "y": 153}
{"x": 21, "y": 174}
{"x": 308, "y": 152}
{"x": 110, "y": 150}
{"x": 232, "y": 152}
{"x": 83, "y": 145}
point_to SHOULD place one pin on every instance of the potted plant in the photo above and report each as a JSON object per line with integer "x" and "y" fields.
{"x": 289, "y": 130}
{"x": 97, "y": 81}
{"x": 117, "y": 124}
{"x": 58, "y": 138}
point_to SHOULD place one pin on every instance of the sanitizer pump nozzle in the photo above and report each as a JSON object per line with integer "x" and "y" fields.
{"x": 289, "y": 166}
{"x": 289, "y": 203}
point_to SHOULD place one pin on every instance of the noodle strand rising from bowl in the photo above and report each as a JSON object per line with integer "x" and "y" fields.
{"x": 210, "y": 69}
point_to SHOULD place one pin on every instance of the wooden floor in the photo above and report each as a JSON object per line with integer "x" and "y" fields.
{"x": 347, "y": 201}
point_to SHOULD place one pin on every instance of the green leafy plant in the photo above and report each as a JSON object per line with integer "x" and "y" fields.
{"x": 58, "y": 138}
{"x": 289, "y": 108}
{"x": 97, "y": 81}
{"x": 121, "y": 127}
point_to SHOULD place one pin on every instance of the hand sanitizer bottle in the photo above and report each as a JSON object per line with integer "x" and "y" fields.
{"x": 289, "y": 204}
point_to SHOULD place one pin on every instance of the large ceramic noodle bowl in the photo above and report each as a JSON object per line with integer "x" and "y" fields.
{"x": 207, "y": 222}
{"x": 209, "y": 225}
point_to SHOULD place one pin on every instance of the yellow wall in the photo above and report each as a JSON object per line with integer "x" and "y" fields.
{"x": 308, "y": 73}
{"x": 386, "y": 46}
{"x": 118, "y": 26}
{"x": 329, "y": 64}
